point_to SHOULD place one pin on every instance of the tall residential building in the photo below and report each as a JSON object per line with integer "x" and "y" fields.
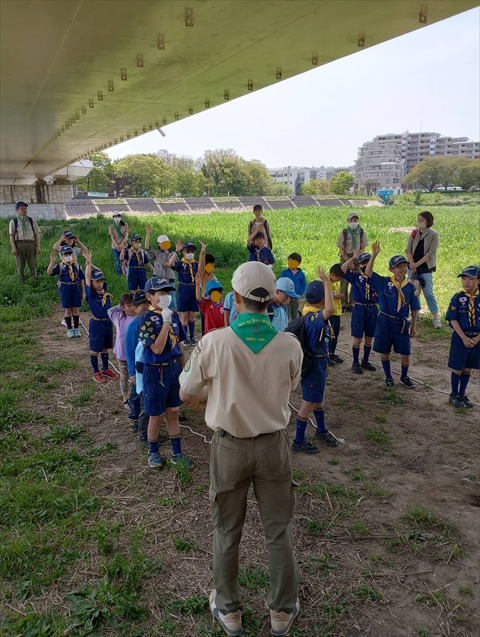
{"x": 387, "y": 158}
{"x": 294, "y": 177}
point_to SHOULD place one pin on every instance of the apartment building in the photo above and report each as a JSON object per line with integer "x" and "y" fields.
{"x": 294, "y": 176}
{"x": 387, "y": 158}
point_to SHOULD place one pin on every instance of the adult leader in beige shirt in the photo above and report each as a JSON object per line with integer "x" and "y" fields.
{"x": 118, "y": 232}
{"x": 249, "y": 369}
{"x": 24, "y": 236}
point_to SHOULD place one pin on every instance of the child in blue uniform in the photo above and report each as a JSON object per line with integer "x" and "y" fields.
{"x": 296, "y": 274}
{"x": 161, "y": 335}
{"x": 136, "y": 261}
{"x": 464, "y": 317}
{"x": 396, "y": 297}
{"x": 317, "y": 311}
{"x": 186, "y": 269}
{"x": 100, "y": 329}
{"x": 277, "y": 310}
{"x": 364, "y": 313}
{"x": 71, "y": 283}
{"x": 258, "y": 250}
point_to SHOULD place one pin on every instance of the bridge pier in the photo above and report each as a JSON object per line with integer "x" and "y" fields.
{"x": 44, "y": 201}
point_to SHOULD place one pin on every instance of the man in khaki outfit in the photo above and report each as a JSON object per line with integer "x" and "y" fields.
{"x": 25, "y": 240}
{"x": 249, "y": 370}
{"x": 351, "y": 238}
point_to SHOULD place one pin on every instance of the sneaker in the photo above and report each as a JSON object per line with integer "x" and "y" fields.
{"x": 437, "y": 323}
{"x": 77, "y": 332}
{"x": 281, "y": 622}
{"x": 126, "y": 404}
{"x": 327, "y": 439}
{"x": 336, "y": 358}
{"x": 389, "y": 383}
{"x": 181, "y": 457}
{"x": 467, "y": 402}
{"x": 304, "y": 447}
{"x": 186, "y": 343}
{"x": 134, "y": 426}
{"x": 193, "y": 341}
{"x": 405, "y": 380}
{"x": 98, "y": 376}
{"x": 368, "y": 366}
{"x": 331, "y": 362}
{"x": 109, "y": 374}
{"x": 71, "y": 333}
{"x": 456, "y": 401}
{"x": 232, "y": 623}
{"x": 63, "y": 322}
{"x": 155, "y": 460}
{"x": 357, "y": 368}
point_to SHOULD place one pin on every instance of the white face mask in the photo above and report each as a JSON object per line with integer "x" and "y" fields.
{"x": 353, "y": 225}
{"x": 164, "y": 301}
{"x": 189, "y": 256}
{"x": 421, "y": 225}
{"x": 68, "y": 258}
{"x": 117, "y": 219}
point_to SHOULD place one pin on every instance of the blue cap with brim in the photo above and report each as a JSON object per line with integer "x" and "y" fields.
{"x": 135, "y": 237}
{"x": 213, "y": 285}
{"x": 97, "y": 275}
{"x": 19, "y": 204}
{"x": 67, "y": 234}
{"x": 286, "y": 285}
{"x": 397, "y": 260}
{"x": 315, "y": 292}
{"x": 472, "y": 271}
{"x": 66, "y": 249}
{"x": 157, "y": 283}
{"x": 365, "y": 256}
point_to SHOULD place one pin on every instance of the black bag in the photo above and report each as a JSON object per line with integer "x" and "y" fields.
{"x": 297, "y": 328}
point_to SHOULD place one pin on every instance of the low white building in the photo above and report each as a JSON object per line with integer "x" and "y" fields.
{"x": 295, "y": 176}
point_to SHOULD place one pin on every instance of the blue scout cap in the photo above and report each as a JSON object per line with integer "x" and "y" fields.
{"x": 315, "y": 292}
{"x": 471, "y": 271}
{"x": 189, "y": 244}
{"x": 97, "y": 275}
{"x": 365, "y": 256}
{"x": 65, "y": 249}
{"x": 397, "y": 260}
{"x": 139, "y": 297}
{"x": 134, "y": 237}
{"x": 157, "y": 283}
{"x": 213, "y": 285}
{"x": 68, "y": 234}
{"x": 19, "y": 204}
{"x": 284, "y": 284}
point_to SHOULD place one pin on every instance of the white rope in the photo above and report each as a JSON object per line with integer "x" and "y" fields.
{"x": 340, "y": 440}
{"x": 208, "y": 442}
{"x": 420, "y": 382}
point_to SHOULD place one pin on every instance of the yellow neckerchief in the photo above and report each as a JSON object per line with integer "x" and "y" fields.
{"x": 399, "y": 286}
{"x": 70, "y": 265}
{"x": 190, "y": 267}
{"x": 471, "y": 306}
{"x": 105, "y": 296}
{"x": 310, "y": 308}
{"x": 171, "y": 333}
{"x": 136, "y": 253}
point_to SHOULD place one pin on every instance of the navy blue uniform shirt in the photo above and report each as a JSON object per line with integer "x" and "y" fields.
{"x": 151, "y": 322}
{"x": 136, "y": 259}
{"x": 360, "y": 291}
{"x": 63, "y": 272}
{"x": 388, "y": 296}
{"x": 314, "y": 324}
{"x": 98, "y": 301}
{"x": 264, "y": 255}
{"x": 183, "y": 270}
{"x": 458, "y": 311}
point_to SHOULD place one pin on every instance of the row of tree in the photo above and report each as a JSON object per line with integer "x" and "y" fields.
{"x": 339, "y": 184}
{"x": 218, "y": 173}
{"x": 445, "y": 172}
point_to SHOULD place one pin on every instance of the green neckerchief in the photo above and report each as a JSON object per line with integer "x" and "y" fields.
{"x": 255, "y": 330}
{"x": 118, "y": 228}
{"x": 354, "y": 234}
{"x": 24, "y": 224}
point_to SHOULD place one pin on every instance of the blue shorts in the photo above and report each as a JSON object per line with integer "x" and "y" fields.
{"x": 313, "y": 384}
{"x": 364, "y": 320}
{"x": 70, "y": 295}
{"x": 136, "y": 279}
{"x": 161, "y": 388}
{"x": 187, "y": 301}
{"x": 100, "y": 334}
{"x": 462, "y": 357}
{"x": 173, "y": 304}
{"x": 392, "y": 333}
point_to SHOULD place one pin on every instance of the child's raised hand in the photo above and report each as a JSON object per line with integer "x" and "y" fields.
{"x": 178, "y": 245}
{"x": 53, "y": 256}
{"x": 321, "y": 274}
{"x": 375, "y": 248}
{"x": 148, "y": 228}
{"x": 204, "y": 246}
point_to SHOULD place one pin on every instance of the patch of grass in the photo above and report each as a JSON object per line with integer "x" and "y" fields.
{"x": 377, "y": 437}
{"x": 63, "y": 434}
{"x": 392, "y": 398}
{"x": 201, "y": 488}
{"x": 298, "y": 474}
{"x": 183, "y": 471}
{"x": 333, "y": 461}
{"x": 435, "y": 598}
{"x": 315, "y": 527}
{"x": 255, "y": 579}
{"x": 466, "y": 590}
{"x": 381, "y": 419}
{"x": 184, "y": 546}
{"x": 360, "y": 528}
{"x": 194, "y": 605}
{"x": 427, "y": 518}
{"x": 85, "y": 396}
{"x": 367, "y": 592}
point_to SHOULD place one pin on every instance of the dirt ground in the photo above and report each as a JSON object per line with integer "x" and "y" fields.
{"x": 365, "y": 569}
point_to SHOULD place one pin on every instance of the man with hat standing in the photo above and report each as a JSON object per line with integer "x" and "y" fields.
{"x": 351, "y": 239}
{"x": 249, "y": 370}
{"x": 25, "y": 240}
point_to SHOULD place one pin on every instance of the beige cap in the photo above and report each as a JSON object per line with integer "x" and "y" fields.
{"x": 353, "y": 214}
{"x": 255, "y": 281}
{"x": 162, "y": 238}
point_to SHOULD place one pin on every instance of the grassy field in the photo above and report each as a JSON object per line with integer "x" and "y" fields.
{"x": 78, "y": 542}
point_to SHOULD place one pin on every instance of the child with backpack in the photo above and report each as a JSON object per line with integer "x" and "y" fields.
{"x": 351, "y": 239}
{"x": 312, "y": 330}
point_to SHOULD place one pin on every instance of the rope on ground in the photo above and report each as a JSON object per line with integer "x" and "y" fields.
{"x": 420, "y": 382}
{"x": 207, "y": 442}
{"x": 310, "y": 421}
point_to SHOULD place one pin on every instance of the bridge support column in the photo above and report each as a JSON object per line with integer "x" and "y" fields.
{"x": 44, "y": 202}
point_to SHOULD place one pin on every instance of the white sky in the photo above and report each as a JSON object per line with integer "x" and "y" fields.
{"x": 426, "y": 80}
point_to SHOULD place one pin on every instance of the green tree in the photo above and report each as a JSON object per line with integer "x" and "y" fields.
{"x": 315, "y": 187}
{"x": 281, "y": 189}
{"x": 468, "y": 173}
{"x": 99, "y": 178}
{"x": 428, "y": 173}
{"x": 148, "y": 173}
{"x": 257, "y": 180}
{"x": 340, "y": 184}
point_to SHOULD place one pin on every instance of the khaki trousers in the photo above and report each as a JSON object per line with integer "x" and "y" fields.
{"x": 235, "y": 463}
{"x": 292, "y": 309}
{"x": 26, "y": 253}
